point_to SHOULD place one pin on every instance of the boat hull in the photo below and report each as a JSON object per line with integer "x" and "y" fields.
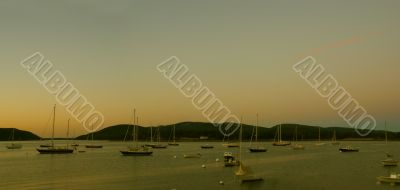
{"x": 207, "y": 147}
{"x": 348, "y": 150}
{"x": 55, "y": 151}
{"x": 281, "y": 143}
{"x": 173, "y": 144}
{"x": 94, "y": 146}
{"x": 255, "y": 150}
{"x": 14, "y": 146}
{"x": 136, "y": 153}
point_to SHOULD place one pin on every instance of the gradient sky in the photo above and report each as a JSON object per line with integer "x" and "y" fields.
{"x": 242, "y": 50}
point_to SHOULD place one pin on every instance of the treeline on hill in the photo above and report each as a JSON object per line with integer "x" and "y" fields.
{"x": 19, "y": 135}
{"x": 194, "y": 130}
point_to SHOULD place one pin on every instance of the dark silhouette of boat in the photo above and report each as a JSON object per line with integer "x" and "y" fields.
{"x": 348, "y": 149}
{"x": 207, "y": 146}
{"x": 53, "y": 149}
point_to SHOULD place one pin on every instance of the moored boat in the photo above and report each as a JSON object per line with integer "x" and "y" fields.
{"x": 348, "y": 149}
{"x": 207, "y": 146}
{"x": 393, "y": 179}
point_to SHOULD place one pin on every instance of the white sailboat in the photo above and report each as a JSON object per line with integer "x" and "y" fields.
{"x": 13, "y": 145}
{"x": 257, "y": 148}
{"x": 279, "y": 142}
{"x": 319, "y": 143}
{"x": 54, "y": 149}
{"x": 173, "y": 143}
{"x": 389, "y": 161}
{"x": 92, "y": 145}
{"x": 334, "y": 142}
{"x": 244, "y": 173}
{"x": 296, "y": 145}
{"x": 136, "y": 150}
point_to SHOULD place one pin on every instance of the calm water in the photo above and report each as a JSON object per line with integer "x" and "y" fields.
{"x": 282, "y": 168}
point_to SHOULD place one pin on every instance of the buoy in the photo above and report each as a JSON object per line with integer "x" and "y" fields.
{"x": 174, "y": 156}
{"x": 203, "y": 166}
{"x": 217, "y": 160}
{"x": 221, "y": 182}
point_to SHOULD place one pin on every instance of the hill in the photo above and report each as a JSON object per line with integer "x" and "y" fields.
{"x": 19, "y": 135}
{"x": 193, "y": 130}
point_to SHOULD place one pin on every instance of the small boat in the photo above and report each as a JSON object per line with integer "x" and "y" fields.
{"x": 13, "y": 145}
{"x": 54, "y": 149}
{"x": 390, "y": 162}
{"x": 257, "y": 148}
{"x": 136, "y": 150}
{"x": 297, "y": 146}
{"x": 159, "y": 146}
{"x": 156, "y": 145}
{"x": 319, "y": 143}
{"x": 174, "y": 143}
{"x": 93, "y": 146}
{"x": 393, "y": 179}
{"x": 334, "y": 142}
{"x": 198, "y": 155}
{"x": 279, "y": 141}
{"x": 230, "y": 160}
{"x": 348, "y": 149}
{"x": 207, "y": 146}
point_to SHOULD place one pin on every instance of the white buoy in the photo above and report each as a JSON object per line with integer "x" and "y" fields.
{"x": 203, "y": 166}
{"x": 217, "y": 160}
{"x": 174, "y": 156}
{"x": 221, "y": 182}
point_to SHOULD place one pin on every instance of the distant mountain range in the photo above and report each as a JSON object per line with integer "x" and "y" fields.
{"x": 5, "y": 135}
{"x": 194, "y": 130}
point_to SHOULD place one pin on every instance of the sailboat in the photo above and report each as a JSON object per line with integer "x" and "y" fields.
{"x": 73, "y": 143}
{"x": 156, "y": 145}
{"x": 136, "y": 150}
{"x": 279, "y": 142}
{"x": 53, "y": 149}
{"x": 244, "y": 173}
{"x": 13, "y": 145}
{"x": 319, "y": 143}
{"x": 257, "y": 148}
{"x": 389, "y": 161}
{"x": 93, "y": 145}
{"x": 297, "y": 146}
{"x": 334, "y": 142}
{"x": 173, "y": 138}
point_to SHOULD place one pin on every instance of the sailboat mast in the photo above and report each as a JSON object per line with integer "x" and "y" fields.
{"x": 174, "y": 133}
{"x": 240, "y": 141}
{"x": 319, "y": 134}
{"x": 134, "y": 126}
{"x": 68, "y": 131}
{"x": 257, "y": 129}
{"x": 386, "y": 136}
{"x": 54, "y": 122}
{"x": 151, "y": 134}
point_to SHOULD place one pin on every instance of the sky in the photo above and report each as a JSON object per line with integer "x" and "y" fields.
{"x": 243, "y": 51}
